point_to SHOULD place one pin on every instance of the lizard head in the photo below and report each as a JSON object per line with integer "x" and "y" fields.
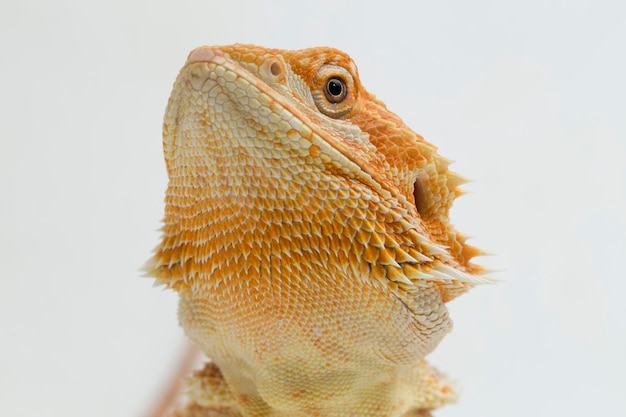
{"x": 251, "y": 128}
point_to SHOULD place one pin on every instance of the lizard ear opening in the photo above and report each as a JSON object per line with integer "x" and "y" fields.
{"x": 419, "y": 197}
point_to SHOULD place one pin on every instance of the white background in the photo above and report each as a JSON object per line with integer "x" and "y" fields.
{"x": 528, "y": 97}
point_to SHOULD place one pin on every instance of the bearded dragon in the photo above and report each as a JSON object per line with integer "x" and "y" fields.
{"x": 307, "y": 234}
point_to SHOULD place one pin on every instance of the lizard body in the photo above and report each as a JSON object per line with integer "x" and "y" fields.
{"x": 307, "y": 234}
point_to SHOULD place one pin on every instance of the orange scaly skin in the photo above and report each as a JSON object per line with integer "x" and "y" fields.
{"x": 307, "y": 234}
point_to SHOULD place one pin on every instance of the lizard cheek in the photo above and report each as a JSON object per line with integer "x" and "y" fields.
{"x": 419, "y": 197}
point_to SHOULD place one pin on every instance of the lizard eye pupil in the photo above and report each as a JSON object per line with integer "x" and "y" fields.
{"x": 335, "y": 90}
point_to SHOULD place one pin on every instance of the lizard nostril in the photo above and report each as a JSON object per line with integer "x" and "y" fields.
{"x": 272, "y": 70}
{"x": 275, "y": 69}
{"x": 418, "y": 196}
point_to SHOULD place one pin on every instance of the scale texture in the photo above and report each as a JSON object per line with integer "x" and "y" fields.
{"x": 307, "y": 233}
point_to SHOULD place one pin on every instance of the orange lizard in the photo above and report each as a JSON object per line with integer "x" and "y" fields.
{"x": 307, "y": 233}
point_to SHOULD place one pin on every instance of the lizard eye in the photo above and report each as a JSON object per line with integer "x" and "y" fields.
{"x": 335, "y": 90}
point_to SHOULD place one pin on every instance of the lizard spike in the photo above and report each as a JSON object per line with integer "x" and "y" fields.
{"x": 453, "y": 272}
{"x": 481, "y": 279}
{"x": 158, "y": 283}
{"x": 443, "y": 163}
{"x": 461, "y": 276}
{"x": 435, "y": 249}
{"x": 455, "y": 180}
{"x": 470, "y": 252}
{"x": 485, "y": 272}
{"x": 387, "y": 258}
{"x": 416, "y": 274}
{"x": 397, "y": 275}
{"x": 439, "y": 276}
{"x": 419, "y": 256}
{"x": 417, "y": 236}
{"x": 462, "y": 237}
{"x": 402, "y": 257}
